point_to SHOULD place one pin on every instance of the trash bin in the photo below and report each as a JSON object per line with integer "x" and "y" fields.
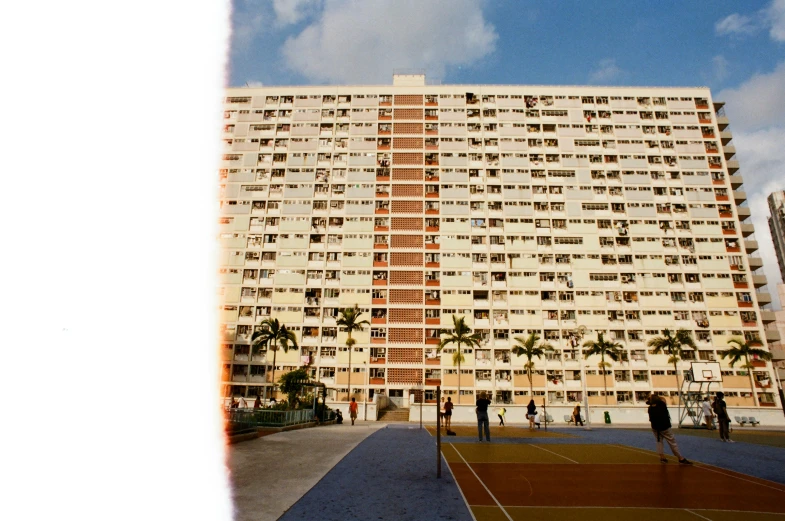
{"x": 607, "y": 417}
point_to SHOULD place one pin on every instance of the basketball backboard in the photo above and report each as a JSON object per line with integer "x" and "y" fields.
{"x": 706, "y": 372}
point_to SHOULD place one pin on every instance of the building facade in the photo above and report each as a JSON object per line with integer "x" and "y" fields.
{"x": 777, "y": 227}
{"x": 566, "y": 211}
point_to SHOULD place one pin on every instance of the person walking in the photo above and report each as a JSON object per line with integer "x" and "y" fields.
{"x": 482, "y": 417}
{"x": 576, "y": 415}
{"x": 448, "y": 406}
{"x": 353, "y": 410}
{"x": 708, "y": 416}
{"x": 660, "y": 421}
{"x": 723, "y": 420}
{"x": 501, "y": 413}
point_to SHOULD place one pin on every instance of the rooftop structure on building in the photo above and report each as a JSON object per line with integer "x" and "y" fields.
{"x": 567, "y": 211}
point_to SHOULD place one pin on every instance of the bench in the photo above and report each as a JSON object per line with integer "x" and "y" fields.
{"x": 753, "y": 421}
{"x": 568, "y": 419}
{"x": 741, "y": 420}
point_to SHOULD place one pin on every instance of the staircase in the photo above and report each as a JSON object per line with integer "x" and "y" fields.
{"x": 394, "y": 415}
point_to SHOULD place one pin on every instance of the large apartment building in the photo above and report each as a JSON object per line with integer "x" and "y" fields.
{"x": 566, "y": 211}
{"x": 777, "y": 227}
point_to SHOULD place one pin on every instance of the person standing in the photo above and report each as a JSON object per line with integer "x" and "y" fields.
{"x": 660, "y": 421}
{"x": 482, "y": 416}
{"x": 576, "y": 415}
{"x": 448, "y": 405}
{"x": 502, "y": 412}
{"x": 723, "y": 420}
{"x": 258, "y": 402}
{"x": 353, "y": 410}
{"x": 531, "y": 413}
{"x": 707, "y": 413}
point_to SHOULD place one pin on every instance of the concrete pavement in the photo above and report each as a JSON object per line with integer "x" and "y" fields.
{"x": 271, "y": 473}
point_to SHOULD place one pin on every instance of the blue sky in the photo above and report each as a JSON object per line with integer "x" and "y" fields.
{"x": 735, "y": 48}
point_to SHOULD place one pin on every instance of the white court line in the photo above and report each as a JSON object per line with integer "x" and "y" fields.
{"x": 483, "y": 484}
{"x": 700, "y": 516}
{"x": 556, "y": 453}
{"x": 712, "y": 468}
{"x": 460, "y": 490}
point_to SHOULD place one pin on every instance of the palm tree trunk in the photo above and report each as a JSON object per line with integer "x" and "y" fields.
{"x": 752, "y": 382}
{"x": 349, "y": 344}
{"x": 531, "y": 383}
{"x": 678, "y": 392}
{"x": 272, "y": 387}
{"x": 459, "y": 373}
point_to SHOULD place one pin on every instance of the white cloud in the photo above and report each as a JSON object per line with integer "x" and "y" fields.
{"x": 759, "y": 102}
{"x": 771, "y": 17}
{"x": 254, "y": 83}
{"x": 289, "y": 12}
{"x": 736, "y": 24}
{"x": 362, "y": 42}
{"x": 605, "y": 72}
{"x": 776, "y": 15}
{"x": 757, "y": 115}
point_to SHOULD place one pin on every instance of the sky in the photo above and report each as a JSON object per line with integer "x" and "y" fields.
{"x": 735, "y": 48}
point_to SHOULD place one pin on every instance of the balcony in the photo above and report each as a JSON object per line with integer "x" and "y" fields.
{"x": 722, "y": 122}
{"x": 773, "y": 335}
{"x": 733, "y": 166}
{"x": 763, "y": 298}
{"x": 729, "y": 151}
{"x": 736, "y": 181}
{"x": 739, "y": 196}
{"x": 767, "y": 317}
{"x": 750, "y": 246}
{"x": 744, "y": 213}
{"x": 756, "y": 263}
{"x": 747, "y": 229}
{"x": 726, "y": 136}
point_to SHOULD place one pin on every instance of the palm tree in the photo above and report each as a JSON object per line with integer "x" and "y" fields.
{"x": 602, "y": 347}
{"x": 528, "y": 347}
{"x": 673, "y": 345}
{"x": 273, "y": 336}
{"x": 740, "y": 349}
{"x": 350, "y": 321}
{"x": 460, "y": 335}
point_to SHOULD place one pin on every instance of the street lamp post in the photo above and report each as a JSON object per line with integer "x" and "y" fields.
{"x": 365, "y": 395}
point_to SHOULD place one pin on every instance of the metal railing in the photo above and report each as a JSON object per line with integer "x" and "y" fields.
{"x": 241, "y": 419}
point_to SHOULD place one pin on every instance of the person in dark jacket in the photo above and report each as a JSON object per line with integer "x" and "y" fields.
{"x": 723, "y": 420}
{"x": 660, "y": 421}
{"x": 531, "y": 414}
{"x": 482, "y": 417}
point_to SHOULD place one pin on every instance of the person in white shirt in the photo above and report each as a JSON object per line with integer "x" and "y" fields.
{"x": 708, "y": 415}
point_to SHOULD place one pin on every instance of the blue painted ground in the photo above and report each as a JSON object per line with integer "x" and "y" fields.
{"x": 390, "y": 475}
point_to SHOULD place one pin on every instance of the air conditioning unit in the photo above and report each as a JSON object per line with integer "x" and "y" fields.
{"x": 624, "y": 279}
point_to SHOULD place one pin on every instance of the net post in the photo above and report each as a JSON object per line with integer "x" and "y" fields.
{"x": 438, "y": 433}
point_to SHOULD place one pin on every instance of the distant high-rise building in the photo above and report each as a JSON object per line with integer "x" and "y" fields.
{"x": 777, "y": 227}
{"x": 562, "y": 211}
